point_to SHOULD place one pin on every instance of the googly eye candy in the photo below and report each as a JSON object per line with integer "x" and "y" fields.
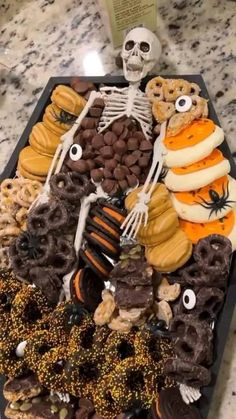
{"x": 189, "y": 299}
{"x": 183, "y": 103}
{"x": 75, "y": 152}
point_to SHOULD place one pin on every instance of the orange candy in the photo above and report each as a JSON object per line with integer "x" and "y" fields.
{"x": 198, "y": 131}
{"x": 214, "y": 158}
{"x": 77, "y": 285}
{"x": 197, "y": 195}
{"x": 197, "y": 231}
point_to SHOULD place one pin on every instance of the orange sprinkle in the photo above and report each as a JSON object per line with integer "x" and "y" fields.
{"x": 106, "y": 226}
{"x": 118, "y": 217}
{"x": 103, "y": 241}
{"x": 76, "y": 282}
{"x": 96, "y": 264}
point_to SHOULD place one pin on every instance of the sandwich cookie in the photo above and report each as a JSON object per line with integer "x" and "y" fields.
{"x": 225, "y": 226}
{"x": 171, "y": 254}
{"x": 104, "y": 225}
{"x": 160, "y": 229}
{"x": 197, "y": 175}
{"x": 22, "y": 172}
{"x": 96, "y": 261}
{"x": 68, "y": 100}
{"x": 193, "y": 143}
{"x": 57, "y": 120}
{"x": 87, "y": 287}
{"x": 159, "y": 202}
{"x": 206, "y": 204}
{"x": 33, "y": 163}
{"x": 104, "y": 242}
{"x": 43, "y": 141}
{"x": 111, "y": 212}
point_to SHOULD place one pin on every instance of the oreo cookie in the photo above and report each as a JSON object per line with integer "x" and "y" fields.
{"x": 103, "y": 224}
{"x": 96, "y": 261}
{"x": 111, "y": 212}
{"x": 102, "y": 241}
{"x": 87, "y": 288}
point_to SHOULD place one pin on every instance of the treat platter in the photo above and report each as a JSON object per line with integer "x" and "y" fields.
{"x": 118, "y": 280}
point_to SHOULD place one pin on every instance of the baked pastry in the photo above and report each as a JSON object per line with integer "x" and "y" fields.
{"x": 68, "y": 100}
{"x": 43, "y": 141}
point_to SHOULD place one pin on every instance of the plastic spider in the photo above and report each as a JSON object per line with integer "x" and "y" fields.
{"x": 217, "y": 202}
{"x": 31, "y": 245}
{"x": 64, "y": 117}
{"x": 158, "y": 328}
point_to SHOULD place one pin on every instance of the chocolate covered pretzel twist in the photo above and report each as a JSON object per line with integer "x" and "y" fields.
{"x": 47, "y": 217}
{"x": 71, "y": 186}
{"x": 187, "y": 372}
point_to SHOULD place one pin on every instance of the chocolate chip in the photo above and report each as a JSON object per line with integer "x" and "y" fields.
{"x": 88, "y": 152}
{"x": 89, "y": 133}
{"x": 130, "y": 160}
{"x": 126, "y": 170}
{"x": 99, "y": 103}
{"x": 99, "y": 161}
{"x": 91, "y": 164}
{"x": 119, "y": 173}
{"x": 107, "y": 152}
{"x": 120, "y": 147}
{"x": 110, "y": 138}
{"x": 123, "y": 185}
{"x": 139, "y": 135}
{"x": 117, "y": 127}
{"x": 132, "y": 180}
{"x": 117, "y": 157}
{"x": 132, "y": 143}
{"x": 145, "y": 145}
{"x": 80, "y": 86}
{"x": 96, "y": 175}
{"x": 135, "y": 170}
{"x": 88, "y": 123}
{"x": 98, "y": 141}
{"x": 110, "y": 164}
{"x": 108, "y": 185}
{"x": 95, "y": 112}
{"x": 108, "y": 174}
{"x": 124, "y": 134}
{"x": 79, "y": 140}
{"x": 143, "y": 161}
{"x": 137, "y": 153}
{"x": 80, "y": 166}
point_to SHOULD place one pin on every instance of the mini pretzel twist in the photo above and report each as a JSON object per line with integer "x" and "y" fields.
{"x": 28, "y": 193}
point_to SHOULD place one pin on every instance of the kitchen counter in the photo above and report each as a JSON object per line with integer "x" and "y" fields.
{"x": 50, "y": 37}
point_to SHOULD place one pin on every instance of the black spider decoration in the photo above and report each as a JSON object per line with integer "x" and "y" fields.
{"x": 136, "y": 410}
{"x": 64, "y": 117}
{"x": 75, "y": 314}
{"x": 30, "y": 244}
{"x": 158, "y": 328}
{"x": 217, "y": 202}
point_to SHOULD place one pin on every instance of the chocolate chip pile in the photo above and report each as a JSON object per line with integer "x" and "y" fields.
{"x": 118, "y": 157}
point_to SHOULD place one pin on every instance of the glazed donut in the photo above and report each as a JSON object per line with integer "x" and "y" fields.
{"x": 28, "y": 309}
{"x": 104, "y": 403}
{"x": 152, "y": 348}
{"x": 51, "y": 369}
{"x": 10, "y": 364}
{"x": 71, "y": 186}
{"x": 47, "y": 217}
{"x": 8, "y": 290}
{"x": 83, "y": 370}
{"x": 119, "y": 346}
{"x": 133, "y": 379}
{"x": 38, "y": 344}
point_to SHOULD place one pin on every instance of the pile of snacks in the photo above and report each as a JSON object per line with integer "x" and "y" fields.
{"x": 135, "y": 336}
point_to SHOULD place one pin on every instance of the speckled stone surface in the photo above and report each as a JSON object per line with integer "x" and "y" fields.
{"x": 44, "y": 38}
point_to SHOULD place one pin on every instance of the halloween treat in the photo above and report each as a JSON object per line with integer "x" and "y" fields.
{"x": 33, "y": 165}
{"x": 57, "y": 120}
{"x": 83, "y": 87}
{"x": 40, "y": 407}
{"x": 150, "y": 347}
{"x": 8, "y": 290}
{"x": 119, "y": 346}
{"x": 105, "y": 309}
{"x": 11, "y": 364}
{"x": 195, "y": 142}
{"x": 48, "y": 281}
{"x": 96, "y": 261}
{"x": 187, "y": 372}
{"x": 170, "y": 405}
{"x": 22, "y": 388}
{"x": 43, "y": 141}
{"x": 88, "y": 337}
{"x": 70, "y": 186}
{"x": 168, "y": 292}
{"x": 38, "y": 344}
{"x": 199, "y": 174}
{"x": 51, "y": 371}
{"x": 68, "y": 100}
{"x": 104, "y": 402}
{"x": 47, "y": 217}
{"x": 104, "y": 242}
{"x": 87, "y": 288}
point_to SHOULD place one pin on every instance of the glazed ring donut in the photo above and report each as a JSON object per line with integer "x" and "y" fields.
{"x": 38, "y": 344}
{"x": 83, "y": 370}
{"x": 119, "y": 346}
{"x": 71, "y": 186}
{"x": 28, "y": 309}
{"x": 8, "y": 290}
{"x": 104, "y": 403}
{"x": 187, "y": 373}
{"x": 151, "y": 347}
{"x": 10, "y": 364}
{"x": 133, "y": 379}
{"x": 47, "y": 217}
{"x": 51, "y": 369}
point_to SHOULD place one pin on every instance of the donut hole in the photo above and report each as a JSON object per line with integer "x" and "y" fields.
{"x": 135, "y": 380}
{"x": 125, "y": 349}
{"x": 88, "y": 371}
{"x": 32, "y": 312}
{"x": 87, "y": 337}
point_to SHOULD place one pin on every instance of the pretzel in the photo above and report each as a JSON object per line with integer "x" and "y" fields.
{"x": 154, "y": 89}
{"x": 71, "y": 186}
{"x": 163, "y": 111}
{"x": 195, "y": 89}
{"x": 7, "y": 220}
{"x": 173, "y": 88}
{"x": 199, "y": 107}
{"x": 10, "y": 187}
{"x": 21, "y": 217}
{"x": 28, "y": 193}
{"x": 7, "y": 234}
{"x": 187, "y": 372}
{"x": 5, "y": 262}
{"x": 47, "y": 217}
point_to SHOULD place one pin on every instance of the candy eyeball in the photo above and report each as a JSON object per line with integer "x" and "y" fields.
{"x": 189, "y": 299}
{"x": 75, "y": 152}
{"x": 183, "y": 103}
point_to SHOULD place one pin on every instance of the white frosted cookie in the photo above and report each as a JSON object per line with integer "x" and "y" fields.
{"x": 232, "y": 234}
{"x": 192, "y": 154}
{"x": 198, "y": 179}
{"x": 202, "y": 213}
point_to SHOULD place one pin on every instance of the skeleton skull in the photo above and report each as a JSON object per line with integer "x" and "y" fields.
{"x": 141, "y": 49}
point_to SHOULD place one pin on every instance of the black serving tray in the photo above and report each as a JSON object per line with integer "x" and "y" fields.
{"x": 224, "y": 319}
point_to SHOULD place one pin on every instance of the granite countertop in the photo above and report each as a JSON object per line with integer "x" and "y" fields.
{"x": 50, "y": 37}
